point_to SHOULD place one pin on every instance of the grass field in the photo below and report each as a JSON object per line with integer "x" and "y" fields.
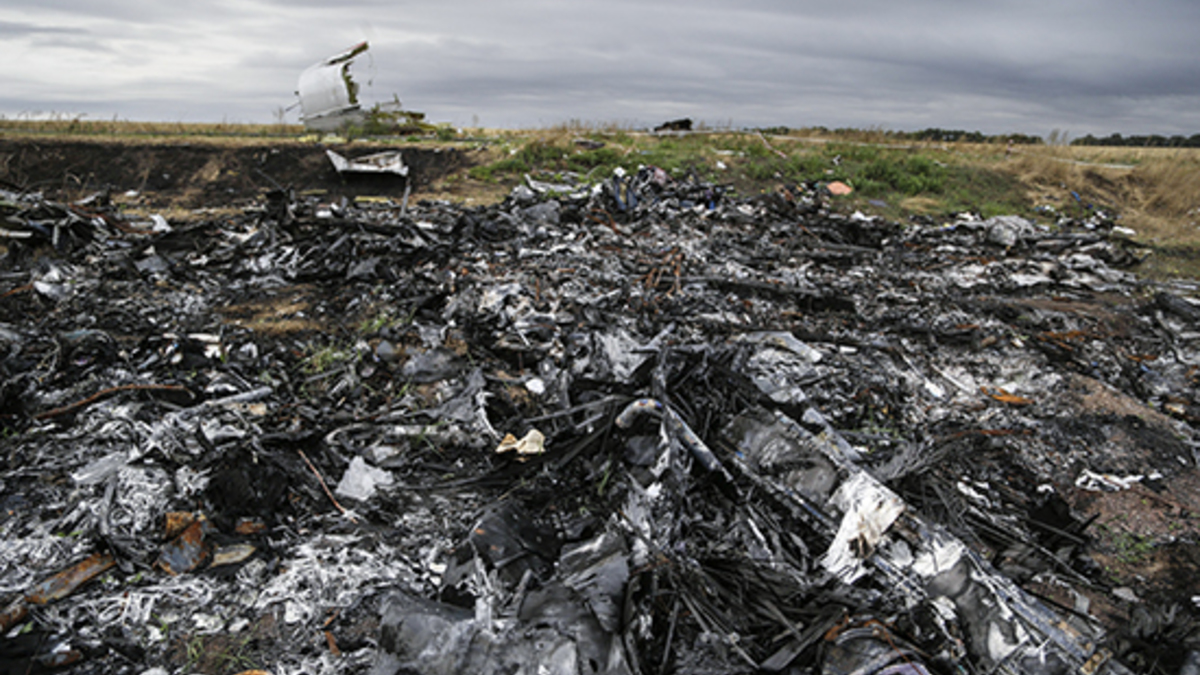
{"x": 1155, "y": 191}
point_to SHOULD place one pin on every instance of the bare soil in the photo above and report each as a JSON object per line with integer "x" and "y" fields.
{"x": 199, "y": 175}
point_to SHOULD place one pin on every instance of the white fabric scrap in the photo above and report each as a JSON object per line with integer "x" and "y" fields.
{"x": 870, "y": 509}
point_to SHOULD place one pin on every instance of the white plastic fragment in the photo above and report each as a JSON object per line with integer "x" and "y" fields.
{"x": 536, "y": 386}
{"x": 361, "y": 479}
{"x": 160, "y": 224}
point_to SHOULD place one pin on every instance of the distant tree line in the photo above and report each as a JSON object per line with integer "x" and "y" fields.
{"x": 1152, "y": 141}
{"x": 960, "y": 135}
{"x": 931, "y": 134}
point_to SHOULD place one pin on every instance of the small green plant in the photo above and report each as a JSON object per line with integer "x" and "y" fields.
{"x": 1132, "y": 549}
{"x": 326, "y": 357}
{"x": 375, "y": 323}
{"x": 238, "y": 658}
{"x": 1128, "y": 548}
{"x": 195, "y": 650}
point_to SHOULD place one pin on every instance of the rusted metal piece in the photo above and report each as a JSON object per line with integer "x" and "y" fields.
{"x": 1005, "y": 397}
{"x": 14, "y": 614}
{"x": 1064, "y": 339}
{"x": 186, "y": 552}
{"x": 177, "y": 522}
{"x": 64, "y": 583}
{"x": 248, "y": 527}
{"x": 333, "y": 648}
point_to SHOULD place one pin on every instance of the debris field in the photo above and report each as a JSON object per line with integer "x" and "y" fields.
{"x": 643, "y": 426}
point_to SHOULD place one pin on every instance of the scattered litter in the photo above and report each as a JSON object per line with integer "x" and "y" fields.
{"x": 838, "y": 189}
{"x": 754, "y": 435}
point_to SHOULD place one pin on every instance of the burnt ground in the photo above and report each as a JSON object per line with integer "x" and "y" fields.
{"x": 1014, "y": 386}
{"x": 207, "y": 174}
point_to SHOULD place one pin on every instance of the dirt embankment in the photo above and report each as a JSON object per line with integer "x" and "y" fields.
{"x": 192, "y": 175}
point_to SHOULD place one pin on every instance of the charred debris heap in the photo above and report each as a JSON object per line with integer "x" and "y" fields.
{"x": 640, "y": 427}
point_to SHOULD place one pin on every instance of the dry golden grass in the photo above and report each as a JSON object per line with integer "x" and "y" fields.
{"x": 155, "y": 133}
{"x": 127, "y": 128}
{"x": 272, "y": 317}
{"x": 1156, "y": 190}
{"x": 923, "y": 205}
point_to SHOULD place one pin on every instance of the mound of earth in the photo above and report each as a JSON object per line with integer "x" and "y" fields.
{"x": 207, "y": 174}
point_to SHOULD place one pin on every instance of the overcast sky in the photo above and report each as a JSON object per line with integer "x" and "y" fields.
{"x": 1028, "y": 66}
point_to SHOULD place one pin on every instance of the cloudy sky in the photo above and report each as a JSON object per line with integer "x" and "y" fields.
{"x": 1028, "y": 66}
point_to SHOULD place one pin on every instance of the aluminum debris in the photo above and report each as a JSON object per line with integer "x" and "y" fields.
{"x": 641, "y": 425}
{"x": 328, "y": 94}
{"x": 377, "y": 163}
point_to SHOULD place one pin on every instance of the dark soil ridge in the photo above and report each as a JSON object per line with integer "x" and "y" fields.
{"x": 193, "y": 175}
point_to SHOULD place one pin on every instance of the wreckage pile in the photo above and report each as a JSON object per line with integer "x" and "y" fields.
{"x": 643, "y": 427}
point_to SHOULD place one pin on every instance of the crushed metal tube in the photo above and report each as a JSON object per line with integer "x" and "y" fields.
{"x": 638, "y": 426}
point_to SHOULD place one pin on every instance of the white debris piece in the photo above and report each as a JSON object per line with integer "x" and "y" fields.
{"x": 381, "y": 162}
{"x": 1105, "y": 482}
{"x": 870, "y": 509}
{"x": 532, "y": 443}
{"x": 536, "y": 386}
{"x": 361, "y": 479}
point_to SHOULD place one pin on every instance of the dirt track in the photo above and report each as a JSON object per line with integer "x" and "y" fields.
{"x": 195, "y": 175}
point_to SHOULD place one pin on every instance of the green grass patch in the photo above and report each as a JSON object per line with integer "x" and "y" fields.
{"x": 986, "y": 191}
{"x": 940, "y": 181}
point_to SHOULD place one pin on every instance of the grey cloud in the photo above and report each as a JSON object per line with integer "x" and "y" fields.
{"x": 18, "y": 29}
{"x": 1012, "y": 65}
